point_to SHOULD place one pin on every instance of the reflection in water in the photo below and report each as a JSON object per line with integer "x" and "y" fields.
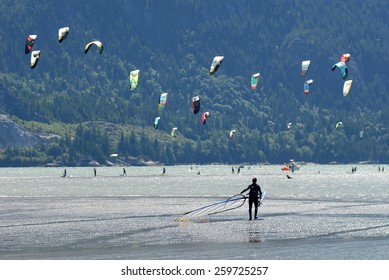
{"x": 254, "y": 232}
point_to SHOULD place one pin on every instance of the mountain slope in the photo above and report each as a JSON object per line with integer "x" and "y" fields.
{"x": 173, "y": 43}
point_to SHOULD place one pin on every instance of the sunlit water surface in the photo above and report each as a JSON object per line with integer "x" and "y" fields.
{"x": 323, "y": 212}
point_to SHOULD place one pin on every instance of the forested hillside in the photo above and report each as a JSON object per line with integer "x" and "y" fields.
{"x": 86, "y": 98}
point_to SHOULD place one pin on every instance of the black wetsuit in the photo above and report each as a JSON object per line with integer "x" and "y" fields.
{"x": 255, "y": 195}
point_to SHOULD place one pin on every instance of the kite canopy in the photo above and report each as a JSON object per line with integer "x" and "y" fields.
{"x": 134, "y": 76}
{"x": 217, "y": 61}
{"x": 98, "y": 44}
{"x": 342, "y": 65}
{"x": 254, "y": 80}
{"x": 338, "y": 125}
{"x": 156, "y": 120}
{"x": 162, "y": 101}
{"x": 204, "y": 117}
{"x": 345, "y": 57}
{"x": 307, "y": 86}
{"x": 63, "y": 33}
{"x": 173, "y": 133}
{"x": 347, "y": 87}
{"x": 35, "y": 56}
{"x": 29, "y": 43}
{"x": 304, "y": 67}
{"x": 343, "y": 68}
{"x": 196, "y": 104}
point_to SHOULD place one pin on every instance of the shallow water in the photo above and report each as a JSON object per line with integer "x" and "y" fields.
{"x": 323, "y": 212}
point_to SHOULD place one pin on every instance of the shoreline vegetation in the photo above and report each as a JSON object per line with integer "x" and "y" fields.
{"x": 106, "y": 144}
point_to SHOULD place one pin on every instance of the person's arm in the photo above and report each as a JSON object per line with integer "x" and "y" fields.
{"x": 244, "y": 190}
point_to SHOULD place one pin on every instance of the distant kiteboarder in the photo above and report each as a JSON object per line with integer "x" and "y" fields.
{"x": 64, "y": 173}
{"x": 124, "y": 172}
{"x": 95, "y": 171}
{"x": 163, "y": 171}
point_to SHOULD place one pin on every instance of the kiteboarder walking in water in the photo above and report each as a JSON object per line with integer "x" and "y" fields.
{"x": 255, "y": 195}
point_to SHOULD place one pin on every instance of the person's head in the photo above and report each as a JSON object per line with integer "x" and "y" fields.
{"x": 254, "y": 180}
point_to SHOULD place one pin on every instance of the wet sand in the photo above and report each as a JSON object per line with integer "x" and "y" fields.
{"x": 125, "y": 227}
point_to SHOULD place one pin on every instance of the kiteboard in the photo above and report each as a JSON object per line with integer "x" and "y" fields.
{"x": 263, "y": 196}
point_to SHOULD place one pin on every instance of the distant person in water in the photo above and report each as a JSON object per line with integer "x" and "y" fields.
{"x": 255, "y": 195}
{"x": 124, "y": 172}
{"x": 95, "y": 171}
{"x": 238, "y": 170}
{"x": 163, "y": 170}
{"x": 64, "y": 173}
{"x": 232, "y": 170}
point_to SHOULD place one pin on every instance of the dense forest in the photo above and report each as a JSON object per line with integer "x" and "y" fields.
{"x": 86, "y": 99}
